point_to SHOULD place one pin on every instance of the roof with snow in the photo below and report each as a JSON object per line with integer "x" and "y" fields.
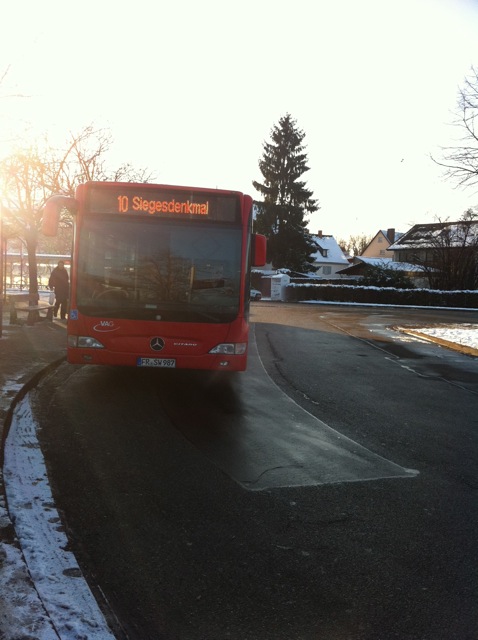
{"x": 360, "y": 263}
{"x": 444, "y": 234}
{"x": 328, "y": 251}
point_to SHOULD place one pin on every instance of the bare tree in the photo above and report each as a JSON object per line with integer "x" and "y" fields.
{"x": 23, "y": 185}
{"x": 355, "y": 245}
{"x": 450, "y": 260}
{"x": 31, "y": 175}
{"x": 3, "y": 77}
{"x": 84, "y": 160}
{"x": 461, "y": 161}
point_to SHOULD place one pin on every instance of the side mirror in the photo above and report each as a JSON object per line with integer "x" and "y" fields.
{"x": 259, "y": 250}
{"x": 52, "y": 210}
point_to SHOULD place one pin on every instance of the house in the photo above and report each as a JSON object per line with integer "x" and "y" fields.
{"x": 378, "y": 247}
{"x": 447, "y": 250}
{"x": 360, "y": 264}
{"x": 329, "y": 257}
{"x": 420, "y": 243}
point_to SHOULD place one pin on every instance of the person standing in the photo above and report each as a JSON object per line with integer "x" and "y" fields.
{"x": 60, "y": 284}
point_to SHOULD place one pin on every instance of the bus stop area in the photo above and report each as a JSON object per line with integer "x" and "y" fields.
{"x": 18, "y": 303}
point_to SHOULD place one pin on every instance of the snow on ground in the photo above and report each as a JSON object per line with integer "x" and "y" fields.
{"x": 464, "y": 335}
{"x": 57, "y": 604}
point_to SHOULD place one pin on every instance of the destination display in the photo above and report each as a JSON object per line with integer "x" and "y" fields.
{"x": 144, "y": 200}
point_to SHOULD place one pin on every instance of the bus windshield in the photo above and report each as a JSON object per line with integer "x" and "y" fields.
{"x": 171, "y": 272}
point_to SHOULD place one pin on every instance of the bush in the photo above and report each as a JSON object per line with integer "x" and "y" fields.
{"x": 382, "y": 276}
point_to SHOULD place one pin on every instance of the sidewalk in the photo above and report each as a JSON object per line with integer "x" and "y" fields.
{"x": 25, "y": 352}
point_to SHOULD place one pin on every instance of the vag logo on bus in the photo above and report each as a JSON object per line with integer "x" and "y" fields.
{"x": 105, "y": 325}
{"x": 156, "y": 344}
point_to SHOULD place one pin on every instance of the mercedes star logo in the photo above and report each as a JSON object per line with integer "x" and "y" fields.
{"x": 156, "y": 344}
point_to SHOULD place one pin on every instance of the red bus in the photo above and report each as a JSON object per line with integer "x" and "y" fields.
{"x": 160, "y": 275}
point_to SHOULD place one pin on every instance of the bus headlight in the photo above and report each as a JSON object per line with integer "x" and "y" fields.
{"x": 230, "y": 348}
{"x": 84, "y": 342}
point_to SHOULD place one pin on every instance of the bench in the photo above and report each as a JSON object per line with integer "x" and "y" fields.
{"x": 19, "y": 304}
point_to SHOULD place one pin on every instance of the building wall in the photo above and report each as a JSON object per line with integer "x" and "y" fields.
{"x": 378, "y": 246}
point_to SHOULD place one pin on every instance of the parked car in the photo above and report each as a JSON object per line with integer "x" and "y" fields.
{"x": 255, "y": 294}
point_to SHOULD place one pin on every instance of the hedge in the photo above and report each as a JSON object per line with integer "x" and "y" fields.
{"x": 385, "y": 295}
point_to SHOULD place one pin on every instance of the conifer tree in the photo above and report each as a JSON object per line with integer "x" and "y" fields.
{"x": 287, "y": 201}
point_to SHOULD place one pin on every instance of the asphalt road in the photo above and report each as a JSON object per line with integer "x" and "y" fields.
{"x": 329, "y": 493}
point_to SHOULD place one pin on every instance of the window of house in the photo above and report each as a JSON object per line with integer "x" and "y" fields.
{"x": 327, "y": 271}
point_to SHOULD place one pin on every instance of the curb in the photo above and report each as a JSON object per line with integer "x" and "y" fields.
{"x": 30, "y": 384}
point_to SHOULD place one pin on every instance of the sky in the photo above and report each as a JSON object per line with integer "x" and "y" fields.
{"x": 60, "y": 605}
{"x": 192, "y": 90}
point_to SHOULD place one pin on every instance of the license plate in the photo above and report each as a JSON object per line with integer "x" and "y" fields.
{"x": 167, "y": 363}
